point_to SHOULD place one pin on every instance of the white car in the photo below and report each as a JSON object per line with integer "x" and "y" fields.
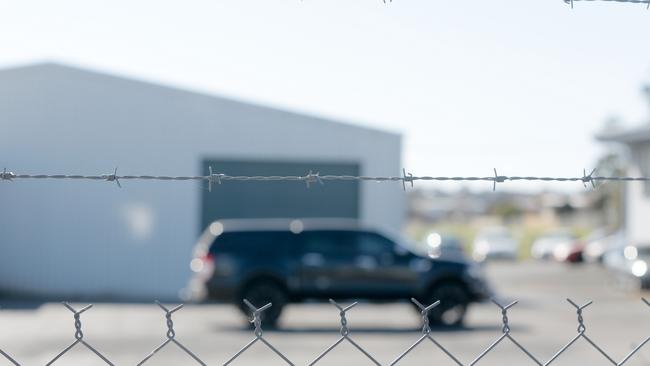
{"x": 444, "y": 246}
{"x": 600, "y": 241}
{"x": 554, "y": 245}
{"x": 629, "y": 263}
{"x": 494, "y": 242}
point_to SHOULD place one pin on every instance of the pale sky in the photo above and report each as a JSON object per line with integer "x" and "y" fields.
{"x": 471, "y": 84}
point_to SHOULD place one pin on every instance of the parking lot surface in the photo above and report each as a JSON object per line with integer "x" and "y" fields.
{"x": 543, "y": 321}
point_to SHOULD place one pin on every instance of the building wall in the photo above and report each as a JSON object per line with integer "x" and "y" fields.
{"x": 638, "y": 197}
{"x": 70, "y": 238}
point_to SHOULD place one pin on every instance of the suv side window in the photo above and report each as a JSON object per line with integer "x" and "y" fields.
{"x": 252, "y": 244}
{"x": 374, "y": 245}
{"x": 332, "y": 244}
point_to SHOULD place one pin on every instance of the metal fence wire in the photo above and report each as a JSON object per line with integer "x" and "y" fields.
{"x": 571, "y": 2}
{"x": 212, "y": 178}
{"x": 647, "y": 2}
{"x": 258, "y": 337}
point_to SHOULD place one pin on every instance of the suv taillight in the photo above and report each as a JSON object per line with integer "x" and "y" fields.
{"x": 203, "y": 264}
{"x": 208, "y": 258}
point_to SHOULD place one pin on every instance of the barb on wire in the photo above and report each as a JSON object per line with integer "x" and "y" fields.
{"x": 345, "y": 332}
{"x": 5, "y": 175}
{"x": 213, "y": 178}
{"x": 312, "y": 178}
{"x": 406, "y": 178}
{"x": 256, "y": 320}
{"x": 588, "y": 178}
{"x": 79, "y": 336}
{"x": 113, "y": 178}
{"x": 426, "y": 333}
{"x": 498, "y": 179}
{"x": 171, "y": 336}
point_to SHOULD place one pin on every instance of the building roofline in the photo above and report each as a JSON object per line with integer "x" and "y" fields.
{"x": 627, "y": 136}
{"x": 188, "y": 90}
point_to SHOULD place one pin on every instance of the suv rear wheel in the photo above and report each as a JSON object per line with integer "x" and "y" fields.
{"x": 261, "y": 293}
{"x": 453, "y": 304}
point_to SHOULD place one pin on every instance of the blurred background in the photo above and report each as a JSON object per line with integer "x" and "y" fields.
{"x": 350, "y": 88}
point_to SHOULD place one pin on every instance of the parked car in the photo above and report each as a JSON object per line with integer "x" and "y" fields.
{"x": 600, "y": 241}
{"x": 282, "y": 262}
{"x": 553, "y": 245}
{"x": 575, "y": 253}
{"x": 630, "y": 264}
{"x": 591, "y": 248}
{"x": 494, "y": 242}
{"x": 445, "y": 246}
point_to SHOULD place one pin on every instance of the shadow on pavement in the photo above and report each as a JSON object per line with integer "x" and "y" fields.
{"x": 20, "y": 304}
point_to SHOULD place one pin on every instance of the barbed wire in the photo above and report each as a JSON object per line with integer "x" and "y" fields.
{"x": 571, "y": 2}
{"x": 256, "y": 320}
{"x": 315, "y": 178}
{"x": 618, "y": 1}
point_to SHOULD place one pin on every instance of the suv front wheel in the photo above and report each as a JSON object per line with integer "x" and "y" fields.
{"x": 453, "y": 304}
{"x": 261, "y": 293}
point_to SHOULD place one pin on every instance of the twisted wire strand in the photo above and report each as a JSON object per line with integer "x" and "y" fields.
{"x": 315, "y": 177}
{"x": 618, "y": 1}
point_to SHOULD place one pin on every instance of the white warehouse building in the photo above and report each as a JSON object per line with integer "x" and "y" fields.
{"x": 637, "y": 194}
{"x": 91, "y": 239}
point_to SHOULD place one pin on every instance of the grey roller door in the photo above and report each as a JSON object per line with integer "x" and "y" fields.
{"x": 278, "y": 199}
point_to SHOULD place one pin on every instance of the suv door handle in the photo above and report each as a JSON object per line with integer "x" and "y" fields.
{"x": 313, "y": 259}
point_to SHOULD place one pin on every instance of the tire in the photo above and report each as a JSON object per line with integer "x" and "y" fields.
{"x": 261, "y": 293}
{"x": 453, "y": 304}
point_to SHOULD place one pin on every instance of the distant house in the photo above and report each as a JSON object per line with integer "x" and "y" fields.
{"x": 637, "y": 195}
{"x": 91, "y": 238}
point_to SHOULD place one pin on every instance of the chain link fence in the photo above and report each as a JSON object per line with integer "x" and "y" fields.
{"x": 345, "y": 336}
{"x": 406, "y": 179}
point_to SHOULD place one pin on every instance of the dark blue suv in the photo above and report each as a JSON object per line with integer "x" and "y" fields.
{"x": 290, "y": 261}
